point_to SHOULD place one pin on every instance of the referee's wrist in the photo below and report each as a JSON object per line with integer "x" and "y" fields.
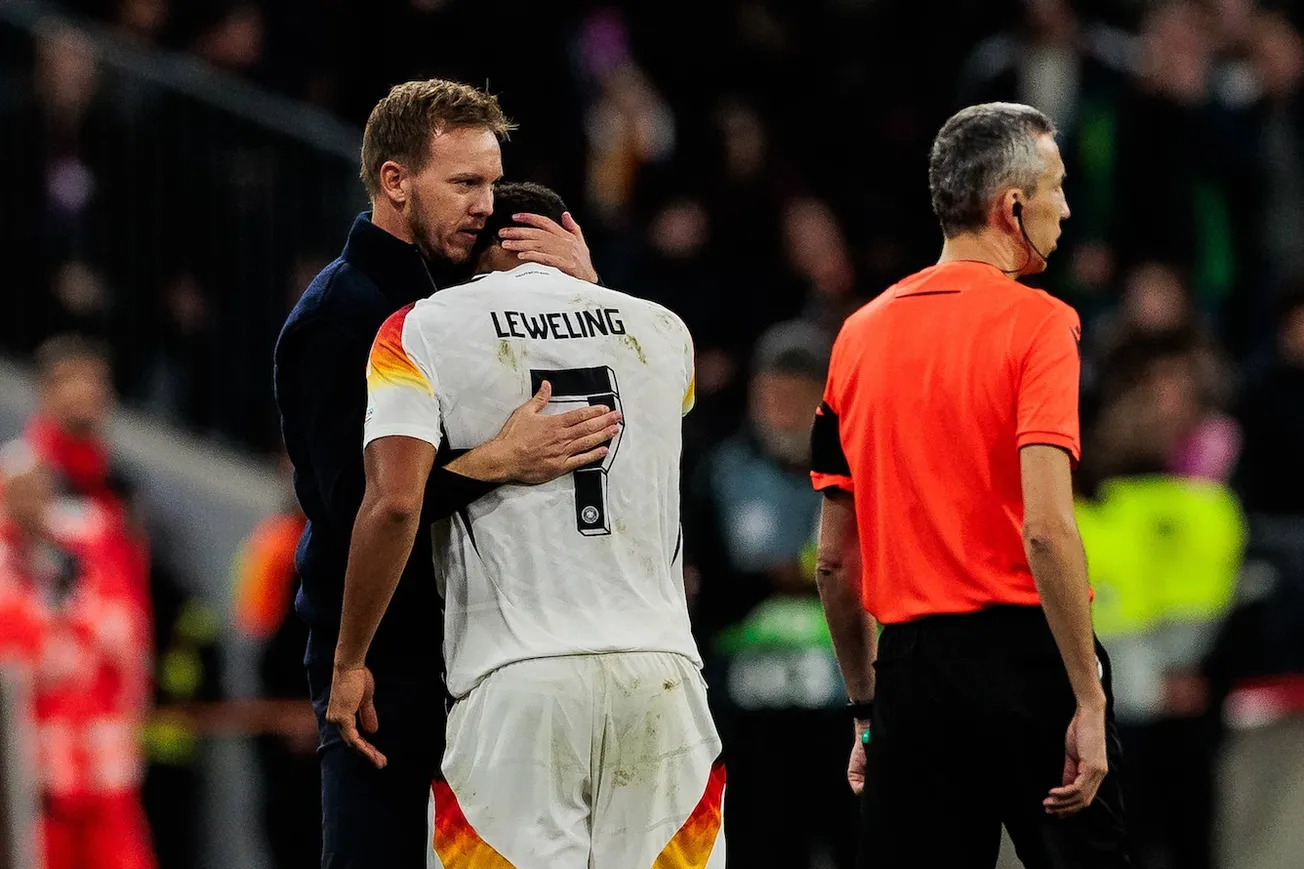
{"x": 861, "y": 710}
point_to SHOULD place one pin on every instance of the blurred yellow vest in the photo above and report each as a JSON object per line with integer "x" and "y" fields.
{"x": 1160, "y": 550}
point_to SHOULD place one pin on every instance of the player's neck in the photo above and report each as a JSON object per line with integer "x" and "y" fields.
{"x": 495, "y": 259}
{"x": 982, "y": 247}
{"x": 385, "y": 216}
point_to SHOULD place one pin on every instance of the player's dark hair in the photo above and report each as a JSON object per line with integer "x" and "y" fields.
{"x": 977, "y": 153}
{"x": 401, "y": 125}
{"x": 517, "y": 197}
{"x": 56, "y": 350}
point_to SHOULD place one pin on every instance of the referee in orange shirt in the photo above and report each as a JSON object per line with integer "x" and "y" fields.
{"x": 944, "y": 447}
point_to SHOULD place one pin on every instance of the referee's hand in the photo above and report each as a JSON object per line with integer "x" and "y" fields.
{"x": 1085, "y": 763}
{"x": 856, "y": 768}
{"x": 352, "y": 693}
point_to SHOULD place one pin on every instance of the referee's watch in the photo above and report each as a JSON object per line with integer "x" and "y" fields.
{"x": 861, "y": 710}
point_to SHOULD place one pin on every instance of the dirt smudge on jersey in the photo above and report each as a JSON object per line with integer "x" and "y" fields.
{"x": 632, "y": 343}
{"x": 506, "y": 355}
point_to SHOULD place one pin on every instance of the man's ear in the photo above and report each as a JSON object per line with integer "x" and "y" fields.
{"x": 1007, "y": 205}
{"x": 394, "y": 183}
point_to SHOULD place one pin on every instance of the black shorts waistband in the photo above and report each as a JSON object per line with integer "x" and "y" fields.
{"x": 1006, "y": 627}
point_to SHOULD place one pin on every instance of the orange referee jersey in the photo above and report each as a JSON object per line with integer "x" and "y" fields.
{"x": 933, "y": 387}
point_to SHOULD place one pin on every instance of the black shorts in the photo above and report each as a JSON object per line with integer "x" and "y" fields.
{"x": 970, "y": 715}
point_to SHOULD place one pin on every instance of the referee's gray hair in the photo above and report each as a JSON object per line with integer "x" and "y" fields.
{"x": 979, "y": 151}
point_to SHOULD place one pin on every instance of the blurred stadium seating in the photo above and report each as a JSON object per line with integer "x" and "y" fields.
{"x": 173, "y": 173}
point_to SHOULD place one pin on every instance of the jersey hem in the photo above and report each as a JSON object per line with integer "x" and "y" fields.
{"x": 823, "y": 482}
{"x": 1050, "y": 438}
{"x": 406, "y": 430}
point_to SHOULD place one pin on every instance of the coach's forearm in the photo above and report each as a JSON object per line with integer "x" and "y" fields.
{"x": 1059, "y": 568}
{"x": 383, "y": 535}
{"x": 487, "y": 463}
{"x": 851, "y": 628}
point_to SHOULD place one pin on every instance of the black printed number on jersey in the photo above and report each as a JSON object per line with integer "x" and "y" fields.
{"x": 572, "y": 388}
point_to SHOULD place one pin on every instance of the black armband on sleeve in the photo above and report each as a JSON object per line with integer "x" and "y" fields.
{"x": 826, "y": 455}
{"x": 448, "y": 491}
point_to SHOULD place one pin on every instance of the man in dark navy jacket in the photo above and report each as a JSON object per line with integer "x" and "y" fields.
{"x": 430, "y": 158}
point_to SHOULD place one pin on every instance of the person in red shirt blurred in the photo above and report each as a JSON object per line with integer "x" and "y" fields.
{"x": 70, "y": 613}
{"x": 68, "y": 433}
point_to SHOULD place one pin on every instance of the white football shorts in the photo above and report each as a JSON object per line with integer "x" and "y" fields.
{"x": 604, "y": 761}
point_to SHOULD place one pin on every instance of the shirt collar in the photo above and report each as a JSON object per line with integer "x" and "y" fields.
{"x": 396, "y": 267}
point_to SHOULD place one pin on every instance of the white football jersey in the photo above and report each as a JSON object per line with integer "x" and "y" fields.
{"x": 590, "y": 562}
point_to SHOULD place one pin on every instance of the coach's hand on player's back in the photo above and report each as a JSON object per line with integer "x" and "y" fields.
{"x": 1085, "y": 763}
{"x": 543, "y": 240}
{"x": 536, "y": 447}
{"x": 352, "y": 702}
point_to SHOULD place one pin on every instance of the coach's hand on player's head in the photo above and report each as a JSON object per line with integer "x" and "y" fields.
{"x": 538, "y": 447}
{"x": 1085, "y": 763}
{"x": 542, "y": 240}
{"x": 352, "y": 702}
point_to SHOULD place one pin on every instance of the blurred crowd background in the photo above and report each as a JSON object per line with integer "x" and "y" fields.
{"x": 173, "y": 173}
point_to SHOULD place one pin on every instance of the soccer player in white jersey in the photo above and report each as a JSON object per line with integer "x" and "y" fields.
{"x": 580, "y": 736}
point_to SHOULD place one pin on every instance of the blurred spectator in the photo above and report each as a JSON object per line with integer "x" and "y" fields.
{"x": 143, "y": 20}
{"x": 82, "y": 300}
{"x": 68, "y": 432}
{"x": 1271, "y": 473}
{"x": 179, "y": 387}
{"x": 673, "y": 264}
{"x": 1173, "y": 141}
{"x": 287, "y": 757}
{"x": 1156, "y": 349}
{"x": 816, "y": 251}
{"x": 628, "y": 124}
{"x": 1164, "y": 551}
{"x": 1040, "y": 64}
{"x": 1164, "y": 555}
{"x": 1157, "y": 417}
{"x": 753, "y": 517}
{"x": 231, "y": 36}
{"x": 1277, "y": 54}
{"x": 69, "y": 427}
{"x": 71, "y": 604}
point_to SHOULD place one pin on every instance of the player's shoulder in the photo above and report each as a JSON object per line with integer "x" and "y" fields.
{"x": 658, "y": 314}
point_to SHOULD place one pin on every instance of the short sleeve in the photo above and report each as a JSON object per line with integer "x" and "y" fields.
{"x": 402, "y": 396}
{"x": 690, "y": 367}
{"x": 828, "y": 460}
{"x": 1048, "y": 385}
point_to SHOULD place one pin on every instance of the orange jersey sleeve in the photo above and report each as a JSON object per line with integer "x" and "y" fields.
{"x": 1048, "y": 385}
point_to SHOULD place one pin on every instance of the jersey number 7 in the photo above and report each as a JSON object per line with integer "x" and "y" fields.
{"x": 578, "y": 386}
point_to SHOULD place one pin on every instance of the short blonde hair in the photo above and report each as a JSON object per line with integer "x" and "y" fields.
{"x": 401, "y": 125}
